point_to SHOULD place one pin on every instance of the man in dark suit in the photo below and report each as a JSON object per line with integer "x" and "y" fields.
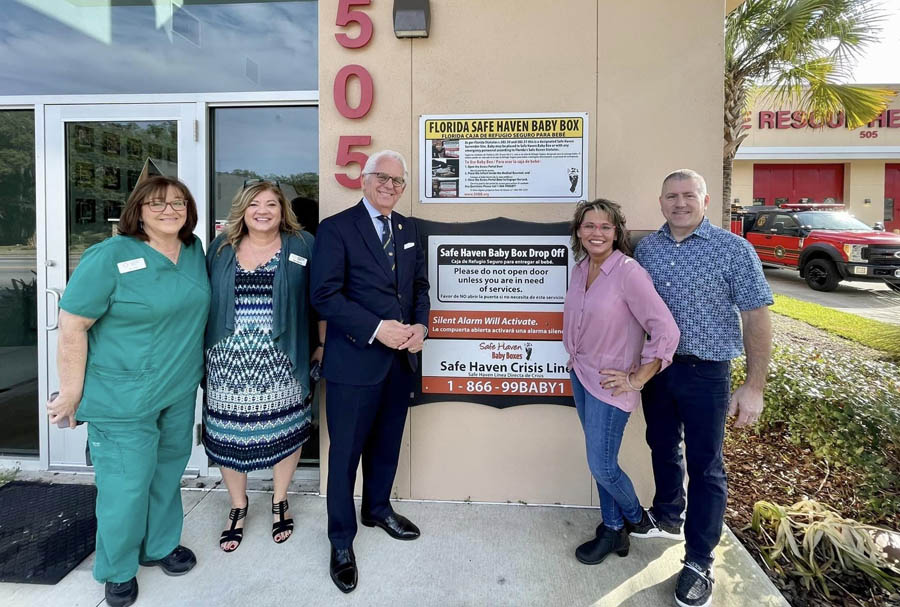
{"x": 368, "y": 282}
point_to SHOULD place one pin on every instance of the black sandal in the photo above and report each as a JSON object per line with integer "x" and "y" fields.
{"x": 283, "y": 524}
{"x": 233, "y": 533}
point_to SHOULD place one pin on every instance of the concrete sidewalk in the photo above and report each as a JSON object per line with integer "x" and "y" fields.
{"x": 468, "y": 555}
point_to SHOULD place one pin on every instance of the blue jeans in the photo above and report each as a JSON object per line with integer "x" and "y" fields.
{"x": 689, "y": 401}
{"x": 604, "y": 426}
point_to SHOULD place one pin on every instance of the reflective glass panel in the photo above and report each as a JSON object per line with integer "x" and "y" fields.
{"x": 141, "y": 46}
{"x": 103, "y": 163}
{"x": 276, "y": 143}
{"x": 18, "y": 286}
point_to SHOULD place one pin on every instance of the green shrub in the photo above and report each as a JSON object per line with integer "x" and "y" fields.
{"x": 872, "y": 333}
{"x": 846, "y": 409}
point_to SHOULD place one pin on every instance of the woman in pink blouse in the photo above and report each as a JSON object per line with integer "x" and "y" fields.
{"x": 619, "y": 334}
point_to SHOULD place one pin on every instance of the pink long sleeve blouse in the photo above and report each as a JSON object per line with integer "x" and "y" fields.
{"x": 607, "y": 326}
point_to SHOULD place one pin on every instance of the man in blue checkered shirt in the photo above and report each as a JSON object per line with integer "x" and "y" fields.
{"x": 713, "y": 283}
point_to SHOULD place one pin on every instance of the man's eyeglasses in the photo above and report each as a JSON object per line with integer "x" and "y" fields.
{"x": 256, "y": 181}
{"x": 158, "y": 206}
{"x": 383, "y": 178}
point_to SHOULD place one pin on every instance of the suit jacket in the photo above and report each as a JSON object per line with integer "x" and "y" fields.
{"x": 353, "y": 288}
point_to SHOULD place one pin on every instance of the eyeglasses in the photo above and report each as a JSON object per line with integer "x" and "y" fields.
{"x": 590, "y": 227}
{"x": 256, "y": 181}
{"x": 158, "y": 206}
{"x": 383, "y": 178}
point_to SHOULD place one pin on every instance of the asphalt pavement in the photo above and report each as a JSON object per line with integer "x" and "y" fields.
{"x": 873, "y": 300}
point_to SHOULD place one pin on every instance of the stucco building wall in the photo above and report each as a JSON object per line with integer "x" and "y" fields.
{"x": 648, "y": 73}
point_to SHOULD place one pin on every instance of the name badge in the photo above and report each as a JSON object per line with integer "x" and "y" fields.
{"x": 297, "y": 259}
{"x": 131, "y": 265}
{"x": 409, "y": 245}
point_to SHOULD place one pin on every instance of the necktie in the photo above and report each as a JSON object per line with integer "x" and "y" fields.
{"x": 386, "y": 240}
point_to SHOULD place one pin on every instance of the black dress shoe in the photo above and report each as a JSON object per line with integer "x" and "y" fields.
{"x": 607, "y": 541}
{"x": 121, "y": 594}
{"x": 178, "y": 562}
{"x": 397, "y": 526}
{"x": 343, "y": 569}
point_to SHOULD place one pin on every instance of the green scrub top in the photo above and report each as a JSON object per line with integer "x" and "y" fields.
{"x": 145, "y": 351}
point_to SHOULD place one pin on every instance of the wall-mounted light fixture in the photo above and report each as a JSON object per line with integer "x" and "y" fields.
{"x": 412, "y": 18}
{"x": 867, "y": 202}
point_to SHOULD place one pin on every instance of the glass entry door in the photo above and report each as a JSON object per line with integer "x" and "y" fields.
{"x": 94, "y": 155}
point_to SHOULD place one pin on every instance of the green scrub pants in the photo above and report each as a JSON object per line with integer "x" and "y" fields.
{"x": 137, "y": 467}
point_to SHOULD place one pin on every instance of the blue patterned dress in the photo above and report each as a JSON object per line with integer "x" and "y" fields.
{"x": 255, "y": 414}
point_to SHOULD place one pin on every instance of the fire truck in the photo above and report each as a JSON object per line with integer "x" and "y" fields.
{"x": 824, "y": 242}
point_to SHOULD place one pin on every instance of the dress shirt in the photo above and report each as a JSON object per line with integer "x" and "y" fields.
{"x": 606, "y": 326}
{"x": 705, "y": 280}
{"x": 375, "y": 214}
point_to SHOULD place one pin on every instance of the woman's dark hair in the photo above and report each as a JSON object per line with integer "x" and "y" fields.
{"x": 130, "y": 223}
{"x": 612, "y": 210}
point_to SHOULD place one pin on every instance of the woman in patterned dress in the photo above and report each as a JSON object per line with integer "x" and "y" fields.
{"x": 256, "y": 413}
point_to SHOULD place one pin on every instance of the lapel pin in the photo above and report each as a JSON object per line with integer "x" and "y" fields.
{"x": 399, "y": 226}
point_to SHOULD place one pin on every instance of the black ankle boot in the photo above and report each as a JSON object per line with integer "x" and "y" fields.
{"x": 607, "y": 540}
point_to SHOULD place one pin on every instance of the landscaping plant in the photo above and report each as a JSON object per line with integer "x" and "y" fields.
{"x": 809, "y": 542}
{"x": 846, "y": 409}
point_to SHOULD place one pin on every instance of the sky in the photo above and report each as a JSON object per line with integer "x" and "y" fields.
{"x": 881, "y": 63}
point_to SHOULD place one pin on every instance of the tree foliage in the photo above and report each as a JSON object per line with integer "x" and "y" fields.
{"x": 17, "y": 178}
{"x": 797, "y": 51}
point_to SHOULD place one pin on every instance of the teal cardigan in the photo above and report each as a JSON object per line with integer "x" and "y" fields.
{"x": 290, "y": 293}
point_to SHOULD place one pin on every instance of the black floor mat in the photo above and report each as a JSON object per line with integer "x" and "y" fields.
{"x": 45, "y": 530}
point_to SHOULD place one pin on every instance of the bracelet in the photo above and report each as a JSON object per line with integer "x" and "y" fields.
{"x": 630, "y": 385}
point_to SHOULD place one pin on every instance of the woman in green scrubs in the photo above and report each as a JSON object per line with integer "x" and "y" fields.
{"x": 130, "y": 359}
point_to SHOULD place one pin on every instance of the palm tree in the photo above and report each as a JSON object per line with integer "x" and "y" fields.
{"x": 798, "y": 51}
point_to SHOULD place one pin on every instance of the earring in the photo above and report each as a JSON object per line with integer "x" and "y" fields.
{"x": 141, "y": 225}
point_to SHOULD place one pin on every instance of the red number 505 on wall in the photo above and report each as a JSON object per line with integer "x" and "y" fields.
{"x": 346, "y": 156}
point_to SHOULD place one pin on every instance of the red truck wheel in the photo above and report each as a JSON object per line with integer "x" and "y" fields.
{"x": 822, "y": 275}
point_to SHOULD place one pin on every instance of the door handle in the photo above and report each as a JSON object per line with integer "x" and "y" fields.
{"x": 56, "y": 294}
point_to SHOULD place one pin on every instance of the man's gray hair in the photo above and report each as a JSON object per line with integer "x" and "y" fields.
{"x": 372, "y": 162}
{"x": 681, "y": 174}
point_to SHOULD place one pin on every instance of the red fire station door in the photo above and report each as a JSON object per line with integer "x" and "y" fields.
{"x": 781, "y": 183}
{"x": 892, "y": 197}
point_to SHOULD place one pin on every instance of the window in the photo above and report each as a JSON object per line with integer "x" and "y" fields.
{"x": 18, "y": 286}
{"x": 278, "y": 143}
{"x": 784, "y": 224}
{"x": 142, "y": 46}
